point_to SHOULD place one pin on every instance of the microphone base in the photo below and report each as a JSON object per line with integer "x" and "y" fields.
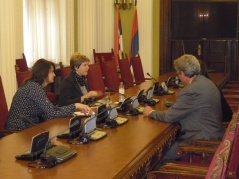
{"x": 133, "y": 112}
{"x": 71, "y": 135}
{"x": 150, "y": 102}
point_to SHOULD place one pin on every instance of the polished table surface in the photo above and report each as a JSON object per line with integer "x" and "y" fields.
{"x": 128, "y": 151}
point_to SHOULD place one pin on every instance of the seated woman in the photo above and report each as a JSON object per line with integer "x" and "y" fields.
{"x": 75, "y": 88}
{"x": 30, "y": 102}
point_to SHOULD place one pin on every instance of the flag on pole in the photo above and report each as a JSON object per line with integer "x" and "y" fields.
{"x": 118, "y": 46}
{"x": 134, "y": 46}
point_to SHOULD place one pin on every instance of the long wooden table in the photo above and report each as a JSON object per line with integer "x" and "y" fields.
{"x": 128, "y": 151}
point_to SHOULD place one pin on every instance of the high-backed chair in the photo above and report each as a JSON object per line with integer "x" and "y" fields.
{"x": 65, "y": 70}
{"x": 3, "y": 112}
{"x": 110, "y": 72}
{"x": 22, "y": 64}
{"x": 217, "y": 168}
{"x": 103, "y": 56}
{"x": 125, "y": 72}
{"x": 22, "y": 76}
{"x": 138, "y": 69}
{"x": 95, "y": 78}
{"x": 100, "y": 57}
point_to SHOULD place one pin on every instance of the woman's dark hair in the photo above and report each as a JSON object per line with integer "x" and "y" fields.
{"x": 40, "y": 70}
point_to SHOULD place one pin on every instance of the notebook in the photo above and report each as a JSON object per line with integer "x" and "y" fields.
{"x": 39, "y": 141}
{"x": 91, "y": 130}
{"x": 74, "y": 131}
{"x": 113, "y": 115}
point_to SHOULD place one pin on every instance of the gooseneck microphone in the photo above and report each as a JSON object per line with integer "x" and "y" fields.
{"x": 114, "y": 91}
{"x": 49, "y": 140}
{"x": 57, "y": 154}
{"x": 131, "y": 84}
{"x": 152, "y": 77}
{"x": 158, "y": 90}
{"x": 140, "y": 95}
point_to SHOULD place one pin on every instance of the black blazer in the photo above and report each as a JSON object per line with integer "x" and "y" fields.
{"x": 70, "y": 91}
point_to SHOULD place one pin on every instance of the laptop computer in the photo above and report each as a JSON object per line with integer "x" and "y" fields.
{"x": 38, "y": 144}
{"x": 113, "y": 115}
{"x": 91, "y": 130}
{"x": 73, "y": 131}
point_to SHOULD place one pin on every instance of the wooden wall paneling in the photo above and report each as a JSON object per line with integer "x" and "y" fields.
{"x": 165, "y": 36}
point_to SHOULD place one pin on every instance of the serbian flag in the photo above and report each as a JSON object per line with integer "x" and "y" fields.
{"x": 118, "y": 46}
{"x": 134, "y": 46}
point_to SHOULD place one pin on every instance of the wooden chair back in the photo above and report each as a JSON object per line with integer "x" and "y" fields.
{"x": 110, "y": 72}
{"x": 137, "y": 69}
{"x": 65, "y": 70}
{"x": 22, "y": 64}
{"x": 100, "y": 57}
{"x": 22, "y": 76}
{"x": 103, "y": 56}
{"x": 125, "y": 71}
{"x": 95, "y": 78}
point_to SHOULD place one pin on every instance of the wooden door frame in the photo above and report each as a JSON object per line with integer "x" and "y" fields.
{"x": 165, "y": 36}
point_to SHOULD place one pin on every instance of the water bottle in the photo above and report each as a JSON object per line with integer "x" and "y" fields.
{"x": 121, "y": 92}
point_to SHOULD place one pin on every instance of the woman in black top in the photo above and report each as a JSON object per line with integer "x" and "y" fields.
{"x": 30, "y": 101}
{"x": 75, "y": 88}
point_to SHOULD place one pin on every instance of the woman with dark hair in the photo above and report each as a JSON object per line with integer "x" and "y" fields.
{"x": 30, "y": 102}
{"x": 75, "y": 88}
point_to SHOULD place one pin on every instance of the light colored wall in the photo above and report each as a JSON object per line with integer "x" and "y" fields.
{"x": 11, "y": 43}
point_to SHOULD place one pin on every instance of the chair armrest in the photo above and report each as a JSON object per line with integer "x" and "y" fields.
{"x": 204, "y": 152}
{"x": 195, "y": 149}
{"x": 206, "y": 143}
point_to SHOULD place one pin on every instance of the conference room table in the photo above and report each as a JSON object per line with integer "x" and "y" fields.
{"x": 128, "y": 151}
